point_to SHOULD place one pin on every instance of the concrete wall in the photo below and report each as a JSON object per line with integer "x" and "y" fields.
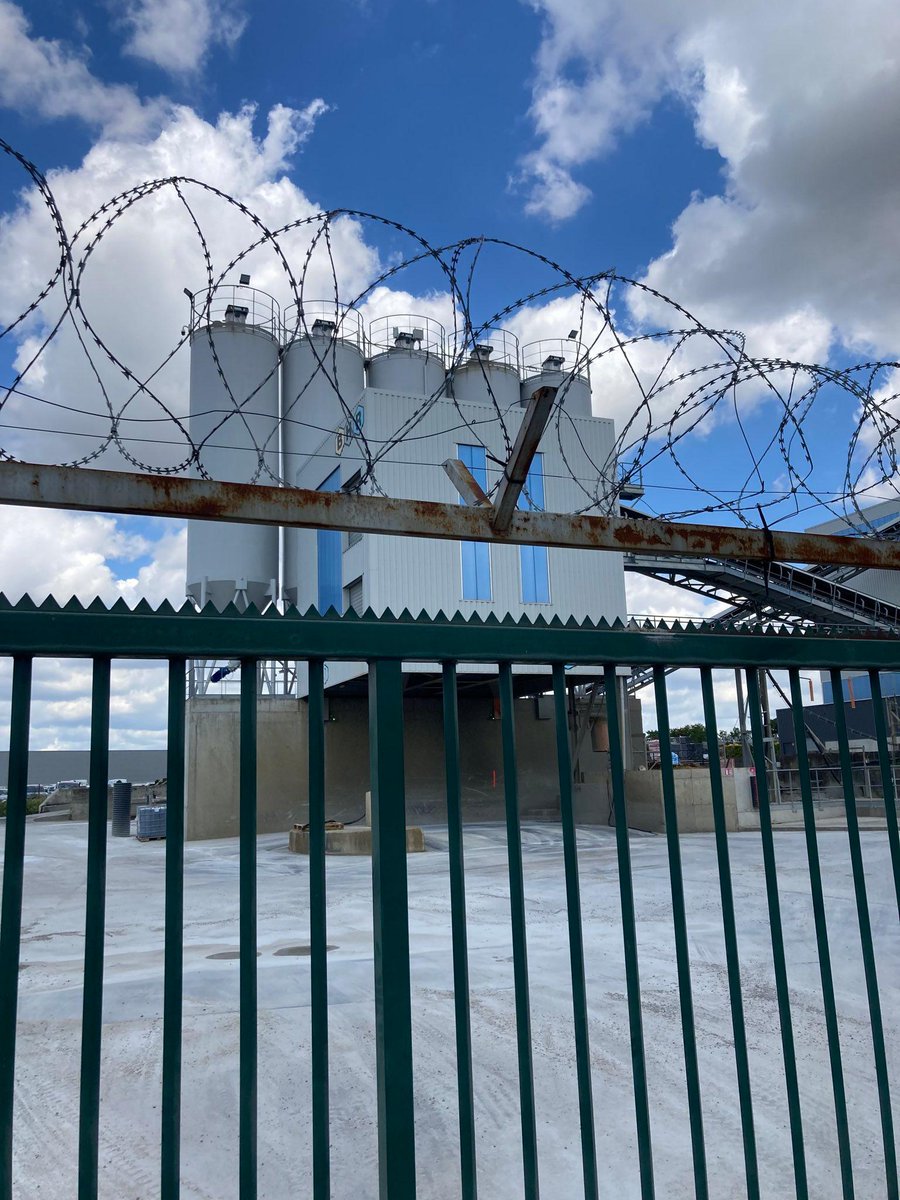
{"x": 213, "y": 764}
{"x": 693, "y": 799}
{"x": 636, "y": 742}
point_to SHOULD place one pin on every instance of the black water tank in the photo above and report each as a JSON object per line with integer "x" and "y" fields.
{"x": 121, "y": 814}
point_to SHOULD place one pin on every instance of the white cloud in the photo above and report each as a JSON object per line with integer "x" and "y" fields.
{"x": 653, "y": 598}
{"x": 800, "y": 102}
{"x": 131, "y": 290}
{"x": 177, "y": 35}
{"x": 46, "y": 552}
{"x": 554, "y": 193}
{"x": 64, "y": 554}
{"x": 61, "y": 704}
{"x": 43, "y": 77}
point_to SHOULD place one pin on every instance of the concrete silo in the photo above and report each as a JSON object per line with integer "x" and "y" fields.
{"x": 323, "y": 380}
{"x": 408, "y": 356}
{"x": 234, "y": 388}
{"x": 561, "y": 363}
{"x": 487, "y": 369}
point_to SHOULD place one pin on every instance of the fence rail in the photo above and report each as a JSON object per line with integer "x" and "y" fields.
{"x": 27, "y": 632}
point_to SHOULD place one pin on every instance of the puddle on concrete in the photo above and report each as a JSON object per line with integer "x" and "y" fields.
{"x": 298, "y": 951}
{"x": 229, "y": 954}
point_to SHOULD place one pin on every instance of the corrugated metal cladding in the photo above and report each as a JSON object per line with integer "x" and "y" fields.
{"x": 883, "y": 585}
{"x": 424, "y": 574}
{"x": 355, "y": 595}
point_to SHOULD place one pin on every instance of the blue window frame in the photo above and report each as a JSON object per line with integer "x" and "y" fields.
{"x": 533, "y": 561}
{"x": 328, "y": 557}
{"x": 476, "y": 556}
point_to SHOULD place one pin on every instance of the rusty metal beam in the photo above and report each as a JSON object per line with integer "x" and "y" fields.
{"x": 169, "y": 496}
{"x": 516, "y": 470}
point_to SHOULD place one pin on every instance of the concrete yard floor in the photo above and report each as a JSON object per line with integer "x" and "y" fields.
{"x": 50, "y": 1008}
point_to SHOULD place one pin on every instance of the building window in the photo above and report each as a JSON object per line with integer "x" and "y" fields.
{"x": 476, "y": 556}
{"x": 328, "y": 548}
{"x": 533, "y": 562}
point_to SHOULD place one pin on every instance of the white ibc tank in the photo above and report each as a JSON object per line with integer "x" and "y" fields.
{"x": 408, "y": 356}
{"x": 486, "y": 369}
{"x": 234, "y": 426}
{"x": 559, "y": 363}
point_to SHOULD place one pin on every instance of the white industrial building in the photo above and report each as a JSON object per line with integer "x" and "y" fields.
{"x": 333, "y": 390}
{"x": 311, "y": 398}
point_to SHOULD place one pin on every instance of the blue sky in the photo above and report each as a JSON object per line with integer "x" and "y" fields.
{"x": 428, "y": 119}
{"x": 722, "y": 153}
{"x": 741, "y": 157}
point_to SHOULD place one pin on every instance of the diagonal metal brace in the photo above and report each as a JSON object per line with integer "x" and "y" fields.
{"x": 466, "y": 483}
{"x": 516, "y": 470}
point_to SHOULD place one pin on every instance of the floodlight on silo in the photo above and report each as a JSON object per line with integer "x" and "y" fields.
{"x": 245, "y": 280}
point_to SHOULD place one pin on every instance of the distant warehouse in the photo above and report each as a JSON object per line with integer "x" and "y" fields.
{"x": 47, "y": 767}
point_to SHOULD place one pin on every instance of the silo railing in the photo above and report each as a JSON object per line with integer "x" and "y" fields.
{"x": 324, "y": 319}
{"x": 235, "y": 305}
{"x": 556, "y": 354}
{"x": 407, "y": 331}
{"x": 488, "y": 346}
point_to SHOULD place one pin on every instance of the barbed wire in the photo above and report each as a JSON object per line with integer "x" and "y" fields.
{"x": 688, "y": 401}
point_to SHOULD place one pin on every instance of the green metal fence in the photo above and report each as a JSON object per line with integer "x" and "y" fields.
{"x": 101, "y": 635}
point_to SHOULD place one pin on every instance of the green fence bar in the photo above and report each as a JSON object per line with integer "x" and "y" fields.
{"x": 390, "y": 900}
{"x": 519, "y": 941}
{"x": 629, "y": 936}
{"x": 682, "y": 949}
{"x": 11, "y": 906}
{"x": 464, "y": 1085}
{"x": 782, "y": 991}
{"x": 170, "y": 1146}
{"x": 825, "y": 973}
{"x": 94, "y": 633}
{"x": 247, "y": 1069}
{"x": 865, "y": 937}
{"x": 318, "y": 934}
{"x": 94, "y": 932}
{"x": 576, "y": 938}
{"x": 732, "y": 960}
{"x": 887, "y": 780}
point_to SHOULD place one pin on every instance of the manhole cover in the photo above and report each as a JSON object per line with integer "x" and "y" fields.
{"x": 298, "y": 951}
{"x": 228, "y": 954}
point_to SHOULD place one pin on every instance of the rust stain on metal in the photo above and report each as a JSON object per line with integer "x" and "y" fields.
{"x": 158, "y": 495}
{"x": 631, "y": 538}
